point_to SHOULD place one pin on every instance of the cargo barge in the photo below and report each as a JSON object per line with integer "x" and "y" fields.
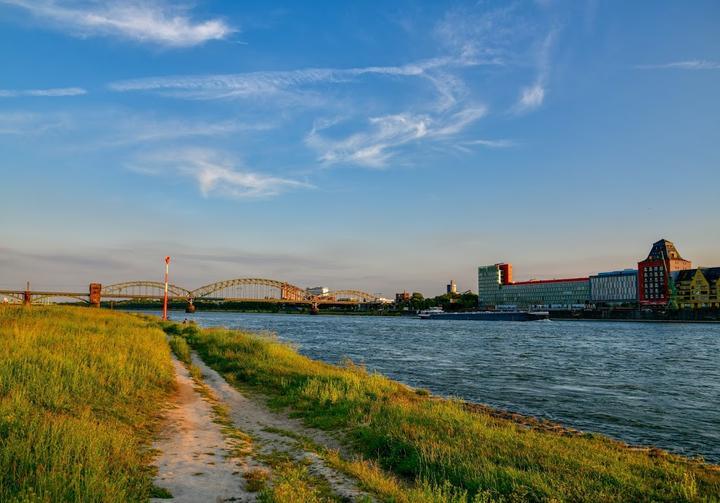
{"x": 439, "y": 314}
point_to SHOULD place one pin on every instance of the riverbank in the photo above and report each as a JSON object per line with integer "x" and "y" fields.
{"x": 81, "y": 394}
{"x": 700, "y": 315}
{"x": 293, "y": 429}
{"x": 405, "y": 440}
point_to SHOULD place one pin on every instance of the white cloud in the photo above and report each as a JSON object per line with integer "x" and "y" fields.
{"x": 492, "y": 143}
{"x": 60, "y": 91}
{"x": 254, "y": 84}
{"x": 215, "y": 174}
{"x": 370, "y": 148}
{"x": 124, "y": 129}
{"x": 532, "y": 96}
{"x": 694, "y": 64}
{"x": 152, "y": 21}
{"x": 375, "y": 146}
{"x": 480, "y": 36}
{"x": 24, "y": 123}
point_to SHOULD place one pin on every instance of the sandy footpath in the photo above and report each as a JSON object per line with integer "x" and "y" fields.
{"x": 252, "y": 416}
{"x": 194, "y": 464}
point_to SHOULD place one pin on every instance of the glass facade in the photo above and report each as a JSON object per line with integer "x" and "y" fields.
{"x": 560, "y": 293}
{"x": 489, "y": 281}
{"x": 552, "y": 293}
{"x": 617, "y": 287}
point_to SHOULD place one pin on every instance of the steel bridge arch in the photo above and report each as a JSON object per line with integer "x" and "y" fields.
{"x": 287, "y": 291}
{"x": 359, "y": 295}
{"x": 47, "y": 299}
{"x": 120, "y": 289}
{"x": 12, "y": 298}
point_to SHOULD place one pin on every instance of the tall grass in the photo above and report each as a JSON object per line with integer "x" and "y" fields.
{"x": 443, "y": 447}
{"x": 80, "y": 390}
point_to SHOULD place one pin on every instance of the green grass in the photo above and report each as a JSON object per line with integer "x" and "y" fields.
{"x": 80, "y": 392}
{"x": 414, "y": 447}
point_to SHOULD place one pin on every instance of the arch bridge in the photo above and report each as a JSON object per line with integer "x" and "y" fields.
{"x": 233, "y": 290}
{"x": 143, "y": 290}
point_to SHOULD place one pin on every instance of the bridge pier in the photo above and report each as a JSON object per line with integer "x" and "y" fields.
{"x": 95, "y": 294}
{"x": 27, "y": 296}
{"x": 190, "y": 308}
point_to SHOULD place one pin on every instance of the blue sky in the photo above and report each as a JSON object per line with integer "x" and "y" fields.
{"x": 374, "y": 145}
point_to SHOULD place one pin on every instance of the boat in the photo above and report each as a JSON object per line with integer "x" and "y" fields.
{"x": 439, "y": 314}
{"x": 427, "y": 313}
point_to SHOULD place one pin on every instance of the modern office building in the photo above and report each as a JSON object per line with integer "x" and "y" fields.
{"x": 614, "y": 288}
{"x": 655, "y": 273}
{"x": 550, "y": 293}
{"x": 696, "y": 288}
{"x": 318, "y": 290}
{"x": 490, "y": 280}
{"x": 495, "y": 287}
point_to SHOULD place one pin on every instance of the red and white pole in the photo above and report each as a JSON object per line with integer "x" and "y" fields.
{"x": 165, "y": 299}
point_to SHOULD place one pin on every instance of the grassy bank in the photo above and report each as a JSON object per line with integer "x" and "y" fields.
{"x": 79, "y": 393}
{"x": 438, "y": 450}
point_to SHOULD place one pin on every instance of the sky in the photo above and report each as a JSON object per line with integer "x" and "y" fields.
{"x": 382, "y": 146}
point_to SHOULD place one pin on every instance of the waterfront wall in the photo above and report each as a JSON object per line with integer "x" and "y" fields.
{"x": 695, "y": 315}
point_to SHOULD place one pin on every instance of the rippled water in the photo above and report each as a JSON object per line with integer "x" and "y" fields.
{"x": 645, "y": 383}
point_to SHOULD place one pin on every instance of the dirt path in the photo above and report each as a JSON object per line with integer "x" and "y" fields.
{"x": 194, "y": 464}
{"x": 273, "y": 432}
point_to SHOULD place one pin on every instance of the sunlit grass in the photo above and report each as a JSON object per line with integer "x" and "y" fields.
{"x": 420, "y": 448}
{"x": 80, "y": 390}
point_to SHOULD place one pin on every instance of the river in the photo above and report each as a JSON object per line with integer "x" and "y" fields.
{"x": 644, "y": 383}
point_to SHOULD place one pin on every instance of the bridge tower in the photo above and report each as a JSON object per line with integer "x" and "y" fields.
{"x": 95, "y": 294}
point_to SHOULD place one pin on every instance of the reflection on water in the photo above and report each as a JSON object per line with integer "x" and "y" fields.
{"x": 645, "y": 383}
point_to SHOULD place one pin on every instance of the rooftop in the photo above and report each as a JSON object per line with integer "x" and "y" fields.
{"x": 541, "y": 281}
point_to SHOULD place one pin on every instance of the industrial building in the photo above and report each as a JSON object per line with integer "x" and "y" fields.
{"x": 655, "y": 273}
{"x": 614, "y": 288}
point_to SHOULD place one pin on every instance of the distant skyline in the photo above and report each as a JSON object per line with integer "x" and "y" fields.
{"x": 376, "y": 145}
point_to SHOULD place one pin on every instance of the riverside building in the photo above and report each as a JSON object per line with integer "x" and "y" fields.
{"x": 663, "y": 279}
{"x": 496, "y": 288}
{"x": 614, "y": 288}
{"x": 655, "y": 273}
{"x": 697, "y": 288}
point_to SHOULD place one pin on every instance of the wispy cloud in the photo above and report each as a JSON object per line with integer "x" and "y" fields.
{"x": 375, "y": 146}
{"x": 25, "y": 123}
{"x": 215, "y": 174}
{"x": 254, "y": 84}
{"x": 693, "y": 64}
{"x": 54, "y": 92}
{"x": 471, "y": 145}
{"x": 502, "y": 143}
{"x": 533, "y": 96}
{"x": 479, "y": 35}
{"x": 155, "y": 22}
{"x": 135, "y": 129}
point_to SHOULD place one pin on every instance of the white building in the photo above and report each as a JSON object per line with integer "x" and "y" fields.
{"x": 318, "y": 290}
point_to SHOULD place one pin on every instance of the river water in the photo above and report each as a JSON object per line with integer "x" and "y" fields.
{"x": 644, "y": 383}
